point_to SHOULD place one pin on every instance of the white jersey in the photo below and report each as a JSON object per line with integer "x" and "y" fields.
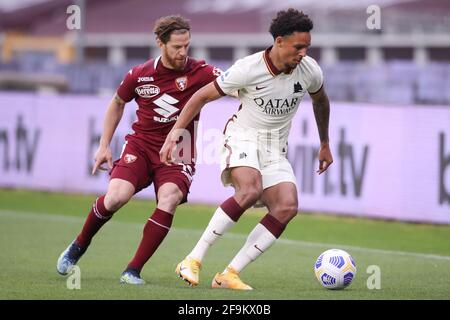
{"x": 269, "y": 99}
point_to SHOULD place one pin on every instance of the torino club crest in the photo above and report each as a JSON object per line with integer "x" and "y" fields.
{"x": 129, "y": 158}
{"x": 181, "y": 83}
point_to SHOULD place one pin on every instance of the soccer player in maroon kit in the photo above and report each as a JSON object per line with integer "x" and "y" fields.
{"x": 160, "y": 87}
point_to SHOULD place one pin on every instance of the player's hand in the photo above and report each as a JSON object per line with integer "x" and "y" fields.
{"x": 165, "y": 154}
{"x": 325, "y": 158}
{"x": 102, "y": 155}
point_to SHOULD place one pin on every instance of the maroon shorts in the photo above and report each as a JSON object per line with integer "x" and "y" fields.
{"x": 139, "y": 164}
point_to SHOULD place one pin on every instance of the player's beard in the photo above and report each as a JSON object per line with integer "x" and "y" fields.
{"x": 179, "y": 64}
{"x": 174, "y": 63}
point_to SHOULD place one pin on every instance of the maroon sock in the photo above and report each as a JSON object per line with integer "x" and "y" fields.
{"x": 97, "y": 217}
{"x": 232, "y": 209}
{"x": 155, "y": 231}
{"x": 274, "y": 226}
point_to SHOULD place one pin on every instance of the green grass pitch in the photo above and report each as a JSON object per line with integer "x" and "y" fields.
{"x": 35, "y": 227}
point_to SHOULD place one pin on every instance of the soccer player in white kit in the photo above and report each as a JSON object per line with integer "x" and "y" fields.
{"x": 271, "y": 85}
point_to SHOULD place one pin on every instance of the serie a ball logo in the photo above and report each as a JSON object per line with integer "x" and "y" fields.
{"x": 335, "y": 269}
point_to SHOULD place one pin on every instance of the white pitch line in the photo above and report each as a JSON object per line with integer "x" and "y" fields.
{"x": 62, "y": 218}
{"x": 336, "y": 246}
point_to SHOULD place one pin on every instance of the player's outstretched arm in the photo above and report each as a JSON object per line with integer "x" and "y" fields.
{"x": 113, "y": 115}
{"x": 192, "y": 108}
{"x": 321, "y": 106}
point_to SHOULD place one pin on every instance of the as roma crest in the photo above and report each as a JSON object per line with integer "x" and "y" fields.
{"x": 181, "y": 83}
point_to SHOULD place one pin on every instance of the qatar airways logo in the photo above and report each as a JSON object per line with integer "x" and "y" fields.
{"x": 147, "y": 90}
{"x": 277, "y": 106}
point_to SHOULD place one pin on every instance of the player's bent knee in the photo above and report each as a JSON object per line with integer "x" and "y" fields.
{"x": 286, "y": 213}
{"x": 291, "y": 211}
{"x": 114, "y": 200}
{"x": 255, "y": 194}
{"x": 169, "y": 201}
{"x": 249, "y": 195}
{"x": 173, "y": 199}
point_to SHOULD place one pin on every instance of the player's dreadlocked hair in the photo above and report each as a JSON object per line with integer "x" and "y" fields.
{"x": 287, "y": 22}
{"x": 165, "y": 26}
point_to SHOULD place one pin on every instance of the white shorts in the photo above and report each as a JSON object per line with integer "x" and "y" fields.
{"x": 260, "y": 149}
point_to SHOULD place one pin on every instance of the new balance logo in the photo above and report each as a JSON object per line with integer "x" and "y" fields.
{"x": 165, "y": 104}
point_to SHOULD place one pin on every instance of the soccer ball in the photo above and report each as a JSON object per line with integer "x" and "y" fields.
{"x": 335, "y": 269}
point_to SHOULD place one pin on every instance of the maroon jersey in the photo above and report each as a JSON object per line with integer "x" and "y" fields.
{"x": 161, "y": 94}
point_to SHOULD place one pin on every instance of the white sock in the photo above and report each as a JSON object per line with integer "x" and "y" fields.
{"x": 218, "y": 225}
{"x": 258, "y": 241}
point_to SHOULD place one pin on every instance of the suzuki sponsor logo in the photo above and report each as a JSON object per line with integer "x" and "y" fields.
{"x": 147, "y": 90}
{"x": 166, "y": 107}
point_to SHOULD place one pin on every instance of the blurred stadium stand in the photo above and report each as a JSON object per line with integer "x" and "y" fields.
{"x": 406, "y": 62}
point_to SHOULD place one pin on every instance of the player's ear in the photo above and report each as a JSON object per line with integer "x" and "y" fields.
{"x": 159, "y": 43}
{"x": 278, "y": 41}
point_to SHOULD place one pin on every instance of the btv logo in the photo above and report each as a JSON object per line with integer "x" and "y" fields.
{"x": 444, "y": 172}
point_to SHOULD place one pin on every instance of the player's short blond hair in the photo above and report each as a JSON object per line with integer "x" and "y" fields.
{"x": 165, "y": 26}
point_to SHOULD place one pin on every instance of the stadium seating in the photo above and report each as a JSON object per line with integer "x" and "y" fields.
{"x": 394, "y": 82}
